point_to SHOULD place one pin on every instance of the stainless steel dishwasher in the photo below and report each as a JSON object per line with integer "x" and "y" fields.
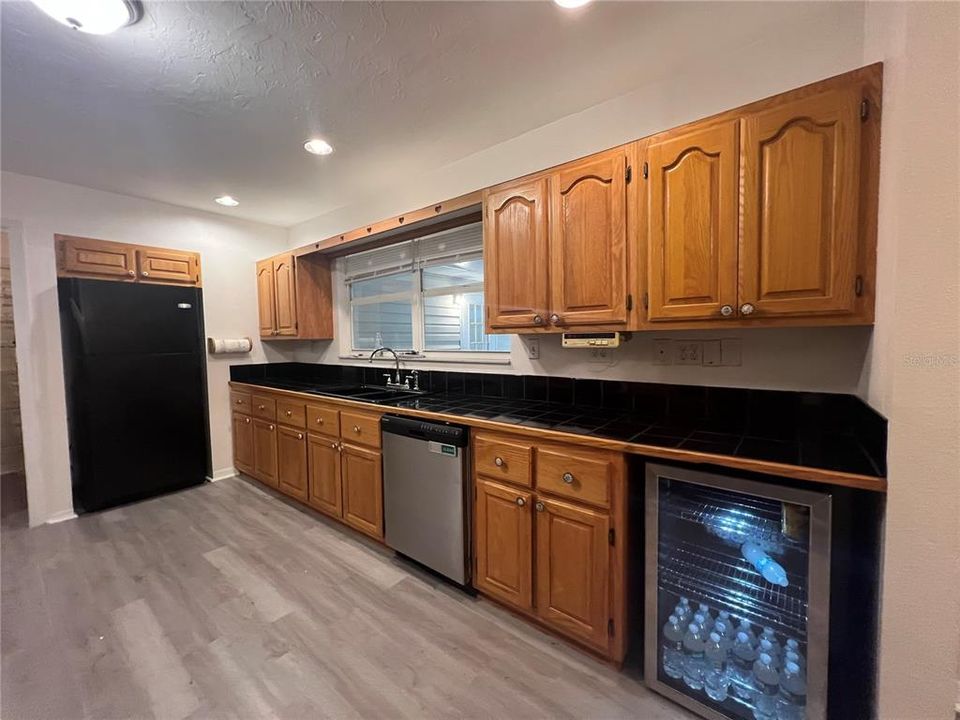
{"x": 425, "y": 493}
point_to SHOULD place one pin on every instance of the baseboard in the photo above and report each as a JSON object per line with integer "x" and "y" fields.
{"x": 223, "y": 474}
{"x": 956, "y": 708}
{"x": 61, "y": 516}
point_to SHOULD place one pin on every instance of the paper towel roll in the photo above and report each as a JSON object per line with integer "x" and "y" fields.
{"x": 221, "y": 346}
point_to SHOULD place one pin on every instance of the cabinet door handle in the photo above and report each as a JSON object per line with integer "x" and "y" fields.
{"x": 145, "y": 273}
{"x": 539, "y": 506}
{"x": 747, "y": 309}
{"x": 319, "y": 421}
{"x": 498, "y": 461}
{"x": 538, "y": 320}
{"x": 239, "y": 402}
{"x": 521, "y": 502}
{"x": 333, "y": 445}
{"x": 567, "y": 478}
{"x": 555, "y": 319}
{"x": 299, "y": 436}
{"x": 248, "y": 420}
{"x": 131, "y": 273}
{"x": 271, "y": 428}
{"x": 726, "y": 310}
{"x": 356, "y": 429}
{"x": 261, "y": 407}
{"x": 289, "y": 413}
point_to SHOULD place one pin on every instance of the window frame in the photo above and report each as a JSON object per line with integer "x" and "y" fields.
{"x": 345, "y": 315}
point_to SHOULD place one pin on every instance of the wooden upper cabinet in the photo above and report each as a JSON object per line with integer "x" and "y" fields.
{"x": 90, "y": 257}
{"x": 362, "y": 478}
{"x": 168, "y": 266}
{"x": 266, "y": 298}
{"x": 573, "y": 570}
{"x": 504, "y": 543}
{"x": 515, "y": 252}
{"x": 588, "y": 240}
{"x": 692, "y": 218}
{"x": 286, "y": 295}
{"x": 801, "y": 188}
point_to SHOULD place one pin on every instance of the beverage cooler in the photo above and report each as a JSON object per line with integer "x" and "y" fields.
{"x": 737, "y": 595}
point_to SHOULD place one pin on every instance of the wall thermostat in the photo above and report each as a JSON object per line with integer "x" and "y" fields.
{"x": 591, "y": 340}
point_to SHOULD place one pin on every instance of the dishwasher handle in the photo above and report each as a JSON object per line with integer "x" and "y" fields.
{"x": 423, "y": 430}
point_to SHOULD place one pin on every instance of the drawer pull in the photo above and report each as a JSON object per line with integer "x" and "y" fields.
{"x": 319, "y": 421}
{"x": 271, "y": 427}
{"x": 289, "y": 413}
{"x": 540, "y": 507}
{"x": 567, "y": 478}
{"x": 333, "y": 445}
{"x": 299, "y": 436}
{"x": 261, "y": 407}
{"x": 356, "y": 428}
{"x": 498, "y": 462}
{"x": 521, "y": 502}
{"x": 247, "y": 419}
{"x": 239, "y": 402}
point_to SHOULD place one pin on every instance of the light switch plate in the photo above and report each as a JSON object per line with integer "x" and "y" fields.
{"x": 711, "y": 353}
{"x": 533, "y": 348}
{"x": 731, "y": 353}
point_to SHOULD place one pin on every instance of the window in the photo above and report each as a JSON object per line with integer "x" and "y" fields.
{"x": 423, "y": 296}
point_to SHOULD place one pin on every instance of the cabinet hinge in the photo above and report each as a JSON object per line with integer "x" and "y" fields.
{"x": 629, "y": 301}
{"x": 858, "y": 285}
{"x": 610, "y": 627}
{"x": 864, "y": 109}
{"x": 629, "y": 173}
{"x": 612, "y": 536}
{"x": 646, "y": 171}
{"x": 646, "y": 301}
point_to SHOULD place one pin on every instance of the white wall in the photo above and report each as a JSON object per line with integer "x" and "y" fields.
{"x": 41, "y": 208}
{"x": 913, "y": 368}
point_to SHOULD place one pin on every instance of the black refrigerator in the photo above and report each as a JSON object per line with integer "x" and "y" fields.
{"x": 135, "y": 377}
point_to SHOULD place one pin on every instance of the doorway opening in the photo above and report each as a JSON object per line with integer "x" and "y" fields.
{"x": 13, "y": 486}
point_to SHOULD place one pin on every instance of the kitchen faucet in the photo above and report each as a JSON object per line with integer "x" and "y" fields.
{"x": 395, "y": 383}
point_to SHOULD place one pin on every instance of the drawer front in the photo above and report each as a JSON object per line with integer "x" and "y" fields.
{"x": 360, "y": 428}
{"x": 292, "y": 413}
{"x": 503, "y": 458}
{"x": 323, "y": 420}
{"x": 240, "y": 402}
{"x": 264, "y": 407}
{"x": 576, "y": 474}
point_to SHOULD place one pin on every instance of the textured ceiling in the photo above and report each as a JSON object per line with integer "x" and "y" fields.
{"x": 205, "y": 98}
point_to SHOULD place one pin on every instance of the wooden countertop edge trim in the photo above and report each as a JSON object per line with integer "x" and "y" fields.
{"x": 795, "y": 472}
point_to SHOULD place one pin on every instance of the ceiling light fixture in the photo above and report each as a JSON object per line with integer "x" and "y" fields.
{"x": 571, "y": 4}
{"x": 97, "y": 17}
{"x": 226, "y": 201}
{"x": 318, "y": 147}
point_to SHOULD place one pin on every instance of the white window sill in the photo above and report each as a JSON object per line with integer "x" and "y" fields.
{"x": 458, "y": 358}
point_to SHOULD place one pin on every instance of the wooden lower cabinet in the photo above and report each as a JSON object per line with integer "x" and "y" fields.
{"x": 265, "y": 452}
{"x": 243, "y": 443}
{"x": 361, "y": 472}
{"x": 504, "y": 543}
{"x": 292, "y": 462}
{"x": 573, "y": 570}
{"x": 323, "y": 462}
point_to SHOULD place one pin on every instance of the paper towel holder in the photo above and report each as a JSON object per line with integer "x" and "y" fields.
{"x": 229, "y": 346}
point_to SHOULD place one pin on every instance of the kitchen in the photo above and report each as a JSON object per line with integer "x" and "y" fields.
{"x": 597, "y": 372}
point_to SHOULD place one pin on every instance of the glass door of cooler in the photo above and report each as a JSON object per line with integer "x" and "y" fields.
{"x": 737, "y": 595}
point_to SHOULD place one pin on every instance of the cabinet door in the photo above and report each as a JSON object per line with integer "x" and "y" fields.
{"x": 286, "y": 289}
{"x": 515, "y": 256}
{"x": 168, "y": 266}
{"x": 588, "y": 239}
{"x": 503, "y": 543}
{"x": 801, "y": 189}
{"x": 361, "y": 474}
{"x": 573, "y": 570}
{"x": 266, "y": 298}
{"x": 86, "y": 256}
{"x": 693, "y": 213}
{"x": 243, "y": 443}
{"x": 265, "y": 452}
{"x": 292, "y": 462}
{"x": 323, "y": 454}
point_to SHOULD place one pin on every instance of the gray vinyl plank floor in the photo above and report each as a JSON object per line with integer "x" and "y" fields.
{"x": 226, "y": 601}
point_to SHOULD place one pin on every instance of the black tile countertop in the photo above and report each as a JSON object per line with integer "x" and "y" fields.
{"x": 825, "y": 431}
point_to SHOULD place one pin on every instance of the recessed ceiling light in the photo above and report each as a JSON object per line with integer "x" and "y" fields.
{"x": 227, "y": 201}
{"x": 97, "y": 17}
{"x": 571, "y": 4}
{"x": 318, "y": 147}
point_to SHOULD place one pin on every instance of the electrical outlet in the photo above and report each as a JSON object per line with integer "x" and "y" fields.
{"x": 731, "y": 353}
{"x": 662, "y": 352}
{"x": 533, "y": 348}
{"x": 600, "y": 355}
{"x": 687, "y": 352}
{"x": 711, "y": 353}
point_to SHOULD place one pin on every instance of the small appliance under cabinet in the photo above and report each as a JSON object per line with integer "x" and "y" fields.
{"x": 737, "y": 587}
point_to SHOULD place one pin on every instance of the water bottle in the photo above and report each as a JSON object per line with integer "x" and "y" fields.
{"x": 746, "y": 628}
{"x": 766, "y": 683}
{"x": 715, "y": 679}
{"x": 681, "y": 614}
{"x": 741, "y": 666}
{"x": 693, "y": 647}
{"x": 770, "y": 569}
{"x": 724, "y": 616}
{"x": 726, "y": 634}
{"x": 777, "y": 654}
{"x": 792, "y": 702}
{"x": 672, "y": 646}
{"x": 794, "y": 647}
{"x": 767, "y": 647}
{"x": 707, "y": 625}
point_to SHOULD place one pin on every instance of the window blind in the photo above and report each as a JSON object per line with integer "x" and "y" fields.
{"x": 382, "y": 261}
{"x": 454, "y": 245}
